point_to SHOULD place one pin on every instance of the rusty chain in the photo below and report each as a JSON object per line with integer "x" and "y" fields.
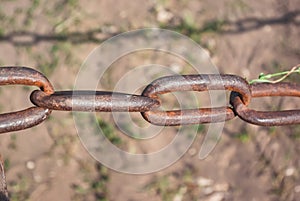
{"x": 46, "y": 100}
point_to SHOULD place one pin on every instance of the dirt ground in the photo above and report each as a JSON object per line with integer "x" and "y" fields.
{"x": 246, "y": 38}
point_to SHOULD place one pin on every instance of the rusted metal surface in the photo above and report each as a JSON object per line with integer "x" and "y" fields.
{"x": 32, "y": 116}
{"x": 188, "y": 117}
{"x": 276, "y": 89}
{"x": 99, "y": 101}
{"x": 25, "y": 76}
{"x": 47, "y": 100}
{"x": 20, "y": 120}
{"x": 264, "y": 118}
{"x": 194, "y": 83}
{"x": 3, "y": 186}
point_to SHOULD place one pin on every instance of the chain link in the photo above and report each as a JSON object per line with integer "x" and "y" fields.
{"x": 262, "y": 118}
{"x": 194, "y": 83}
{"x": 29, "y": 117}
{"x": 148, "y": 103}
{"x": 46, "y": 100}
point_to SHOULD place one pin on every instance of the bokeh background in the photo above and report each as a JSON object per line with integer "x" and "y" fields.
{"x": 247, "y": 38}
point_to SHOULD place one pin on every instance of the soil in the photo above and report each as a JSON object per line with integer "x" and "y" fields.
{"x": 246, "y": 38}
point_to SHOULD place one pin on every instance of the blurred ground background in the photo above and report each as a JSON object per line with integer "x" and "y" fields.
{"x": 242, "y": 37}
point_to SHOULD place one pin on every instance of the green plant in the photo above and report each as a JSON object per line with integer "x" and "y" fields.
{"x": 20, "y": 190}
{"x": 12, "y": 144}
{"x": 162, "y": 187}
{"x": 30, "y": 11}
{"x": 243, "y": 137}
{"x": 213, "y": 26}
{"x": 6, "y": 164}
{"x": 283, "y": 75}
{"x": 109, "y": 132}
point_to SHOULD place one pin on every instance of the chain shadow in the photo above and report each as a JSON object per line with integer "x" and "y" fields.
{"x": 253, "y": 23}
{"x": 237, "y": 27}
{"x": 27, "y": 38}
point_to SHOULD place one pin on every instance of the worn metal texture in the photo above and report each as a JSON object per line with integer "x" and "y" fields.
{"x": 99, "y": 101}
{"x": 268, "y": 118}
{"x": 194, "y": 83}
{"x": 3, "y": 186}
{"x": 30, "y": 117}
{"x": 46, "y": 100}
{"x": 20, "y": 120}
{"x": 25, "y": 76}
{"x": 148, "y": 103}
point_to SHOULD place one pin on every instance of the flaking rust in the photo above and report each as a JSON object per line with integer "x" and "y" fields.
{"x": 266, "y": 118}
{"x": 30, "y": 117}
{"x": 47, "y": 100}
{"x": 194, "y": 83}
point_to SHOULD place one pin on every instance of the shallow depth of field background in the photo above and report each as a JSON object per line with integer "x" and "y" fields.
{"x": 48, "y": 162}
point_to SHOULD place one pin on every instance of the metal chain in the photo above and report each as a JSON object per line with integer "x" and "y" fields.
{"x": 148, "y": 103}
{"x": 46, "y": 100}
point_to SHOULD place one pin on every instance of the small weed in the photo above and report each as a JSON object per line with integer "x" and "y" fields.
{"x": 79, "y": 190}
{"x": 162, "y": 187}
{"x": 12, "y": 144}
{"x": 109, "y": 132}
{"x": 72, "y": 3}
{"x": 272, "y": 130}
{"x": 295, "y": 132}
{"x": 30, "y": 11}
{"x": 47, "y": 66}
{"x": 20, "y": 190}
{"x": 188, "y": 176}
{"x": 244, "y": 137}
{"x": 1, "y": 31}
{"x": 213, "y": 26}
{"x": 239, "y": 5}
{"x": 6, "y": 164}
{"x": 162, "y": 2}
{"x": 99, "y": 186}
{"x": 200, "y": 128}
{"x": 188, "y": 27}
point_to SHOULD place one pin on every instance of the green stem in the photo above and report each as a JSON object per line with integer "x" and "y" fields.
{"x": 284, "y": 74}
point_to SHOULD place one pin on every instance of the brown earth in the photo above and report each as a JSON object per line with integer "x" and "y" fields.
{"x": 48, "y": 162}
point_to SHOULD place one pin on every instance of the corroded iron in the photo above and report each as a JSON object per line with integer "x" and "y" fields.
{"x": 99, "y": 101}
{"x": 46, "y": 100}
{"x": 266, "y": 118}
{"x": 27, "y": 118}
{"x": 194, "y": 83}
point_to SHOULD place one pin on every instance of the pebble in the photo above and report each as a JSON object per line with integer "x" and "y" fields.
{"x": 163, "y": 16}
{"x": 179, "y": 195}
{"x": 297, "y": 189}
{"x": 290, "y": 171}
{"x": 192, "y": 151}
{"x": 222, "y": 187}
{"x": 217, "y": 197}
{"x": 207, "y": 190}
{"x": 202, "y": 182}
{"x": 37, "y": 178}
{"x": 30, "y": 165}
{"x": 176, "y": 68}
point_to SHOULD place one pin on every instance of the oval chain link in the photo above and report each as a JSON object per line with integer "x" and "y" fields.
{"x": 30, "y": 117}
{"x": 194, "y": 83}
{"x": 264, "y": 118}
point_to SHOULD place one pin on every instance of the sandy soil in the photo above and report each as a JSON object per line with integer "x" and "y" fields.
{"x": 48, "y": 162}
